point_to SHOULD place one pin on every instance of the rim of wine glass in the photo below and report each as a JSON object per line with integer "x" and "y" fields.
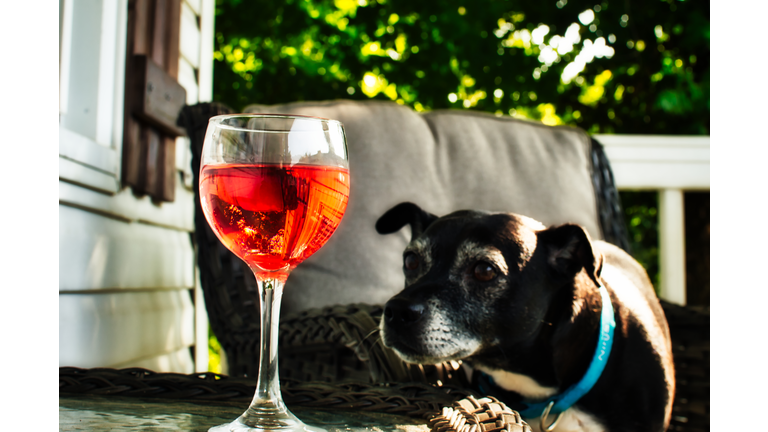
{"x": 219, "y": 118}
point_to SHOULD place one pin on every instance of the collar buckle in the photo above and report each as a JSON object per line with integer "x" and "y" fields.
{"x": 544, "y": 416}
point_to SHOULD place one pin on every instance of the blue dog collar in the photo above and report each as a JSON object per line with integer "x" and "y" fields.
{"x": 561, "y": 402}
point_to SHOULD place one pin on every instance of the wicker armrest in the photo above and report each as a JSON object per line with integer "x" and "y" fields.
{"x": 342, "y": 343}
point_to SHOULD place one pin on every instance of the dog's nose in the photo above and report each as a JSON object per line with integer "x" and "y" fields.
{"x": 399, "y": 312}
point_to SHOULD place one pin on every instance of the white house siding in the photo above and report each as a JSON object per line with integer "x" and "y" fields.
{"x": 127, "y": 288}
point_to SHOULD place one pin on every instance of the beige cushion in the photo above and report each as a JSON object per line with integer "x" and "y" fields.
{"x": 505, "y": 164}
{"x": 442, "y": 161}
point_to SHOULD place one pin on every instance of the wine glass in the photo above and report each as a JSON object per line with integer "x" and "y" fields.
{"x": 273, "y": 188}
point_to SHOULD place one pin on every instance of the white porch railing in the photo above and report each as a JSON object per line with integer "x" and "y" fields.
{"x": 669, "y": 165}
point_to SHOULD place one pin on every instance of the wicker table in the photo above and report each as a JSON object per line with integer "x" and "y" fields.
{"x": 121, "y": 399}
{"x": 117, "y": 413}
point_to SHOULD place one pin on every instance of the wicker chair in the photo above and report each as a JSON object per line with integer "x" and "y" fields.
{"x": 338, "y": 343}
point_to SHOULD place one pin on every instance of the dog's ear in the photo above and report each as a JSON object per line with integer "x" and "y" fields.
{"x": 405, "y": 213}
{"x": 568, "y": 249}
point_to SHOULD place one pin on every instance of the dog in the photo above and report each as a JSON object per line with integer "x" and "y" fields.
{"x": 532, "y": 313}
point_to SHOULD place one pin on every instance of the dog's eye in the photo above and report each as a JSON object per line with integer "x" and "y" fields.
{"x": 484, "y": 272}
{"x": 411, "y": 261}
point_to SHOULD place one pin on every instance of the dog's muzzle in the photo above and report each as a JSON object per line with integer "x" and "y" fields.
{"x": 420, "y": 332}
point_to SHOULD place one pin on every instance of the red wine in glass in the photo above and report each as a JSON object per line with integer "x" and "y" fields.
{"x": 272, "y": 216}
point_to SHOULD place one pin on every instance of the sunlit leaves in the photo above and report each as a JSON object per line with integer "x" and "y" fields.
{"x": 347, "y": 7}
{"x": 543, "y": 112}
{"x": 619, "y": 93}
{"x": 591, "y": 95}
{"x": 375, "y": 48}
{"x": 372, "y": 48}
{"x": 589, "y": 51}
{"x": 400, "y": 44}
{"x": 537, "y": 35}
{"x": 373, "y": 84}
{"x": 548, "y": 115}
{"x": 587, "y": 17}
{"x": 518, "y": 39}
{"x": 214, "y": 353}
{"x": 547, "y": 63}
{"x": 503, "y": 28}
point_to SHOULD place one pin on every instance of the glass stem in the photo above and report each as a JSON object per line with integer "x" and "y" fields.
{"x": 267, "y": 410}
{"x": 268, "y": 388}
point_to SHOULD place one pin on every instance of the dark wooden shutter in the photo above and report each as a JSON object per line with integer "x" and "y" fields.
{"x": 153, "y": 98}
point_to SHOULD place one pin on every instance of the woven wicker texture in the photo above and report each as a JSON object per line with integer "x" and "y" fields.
{"x": 337, "y": 344}
{"x": 608, "y": 203}
{"x": 689, "y": 329}
{"x": 342, "y": 343}
{"x": 415, "y": 400}
{"x": 478, "y": 415}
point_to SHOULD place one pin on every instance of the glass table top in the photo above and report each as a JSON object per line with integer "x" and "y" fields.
{"x": 116, "y": 413}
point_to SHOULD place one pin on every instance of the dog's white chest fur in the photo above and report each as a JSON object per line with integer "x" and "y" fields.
{"x": 573, "y": 420}
{"x": 518, "y": 383}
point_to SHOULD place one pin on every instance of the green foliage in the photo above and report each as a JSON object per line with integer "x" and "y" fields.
{"x": 607, "y": 67}
{"x": 611, "y": 67}
{"x": 642, "y": 219}
{"x": 214, "y": 353}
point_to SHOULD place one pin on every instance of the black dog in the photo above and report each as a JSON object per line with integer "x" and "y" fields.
{"x": 522, "y": 307}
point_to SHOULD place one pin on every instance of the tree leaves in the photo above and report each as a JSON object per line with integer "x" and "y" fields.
{"x": 607, "y": 67}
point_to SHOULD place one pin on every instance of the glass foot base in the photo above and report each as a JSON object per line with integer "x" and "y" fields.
{"x": 255, "y": 420}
